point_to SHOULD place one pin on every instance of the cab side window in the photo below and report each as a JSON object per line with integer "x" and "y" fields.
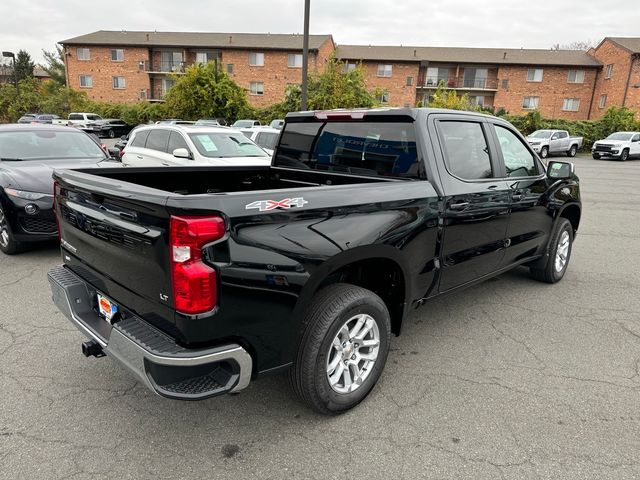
{"x": 636, "y": 138}
{"x": 465, "y": 149}
{"x": 518, "y": 160}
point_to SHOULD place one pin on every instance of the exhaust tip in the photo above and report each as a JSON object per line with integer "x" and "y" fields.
{"x": 92, "y": 349}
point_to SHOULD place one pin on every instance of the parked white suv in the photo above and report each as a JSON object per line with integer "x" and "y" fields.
{"x": 191, "y": 145}
{"x": 264, "y": 137}
{"x": 620, "y": 145}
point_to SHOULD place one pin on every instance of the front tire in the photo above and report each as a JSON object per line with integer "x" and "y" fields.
{"x": 595, "y": 156}
{"x": 624, "y": 156}
{"x": 558, "y": 256}
{"x": 343, "y": 349}
{"x": 544, "y": 152}
{"x": 572, "y": 151}
{"x": 8, "y": 245}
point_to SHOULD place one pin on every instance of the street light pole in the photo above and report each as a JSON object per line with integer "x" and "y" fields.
{"x": 305, "y": 57}
{"x": 15, "y": 73}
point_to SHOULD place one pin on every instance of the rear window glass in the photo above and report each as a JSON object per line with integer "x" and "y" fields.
{"x": 140, "y": 138}
{"x": 360, "y": 148}
{"x": 267, "y": 140}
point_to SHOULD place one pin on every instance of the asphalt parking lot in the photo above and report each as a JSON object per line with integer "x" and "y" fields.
{"x": 511, "y": 379}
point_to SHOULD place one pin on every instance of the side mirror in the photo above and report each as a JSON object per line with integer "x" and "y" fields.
{"x": 115, "y": 154}
{"x": 123, "y": 137}
{"x": 560, "y": 170}
{"x": 181, "y": 153}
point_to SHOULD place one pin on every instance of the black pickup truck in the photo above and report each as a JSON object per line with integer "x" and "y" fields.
{"x": 201, "y": 279}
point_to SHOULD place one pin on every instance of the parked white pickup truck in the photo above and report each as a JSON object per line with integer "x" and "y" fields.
{"x": 620, "y": 145}
{"x": 554, "y": 142}
{"x": 89, "y": 122}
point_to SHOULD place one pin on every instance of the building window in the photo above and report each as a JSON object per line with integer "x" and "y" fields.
{"x": 117, "y": 55}
{"x": 294, "y": 60}
{"x": 83, "y": 54}
{"x": 409, "y": 81}
{"x": 165, "y": 86}
{"x": 256, "y": 59}
{"x": 576, "y": 76}
{"x": 86, "y": 81}
{"x": 571, "y": 104}
{"x": 118, "y": 82}
{"x": 530, "y": 103}
{"x": 256, "y": 88}
{"x": 229, "y": 68}
{"x": 349, "y": 66}
{"x": 609, "y": 71}
{"x": 385, "y": 70}
{"x": 477, "y": 100}
{"x": 202, "y": 57}
{"x": 534, "y": 75}
{"x": 603, "y": 101}
{"x": 384, "y": 97}
{"x": 505, "y": 83}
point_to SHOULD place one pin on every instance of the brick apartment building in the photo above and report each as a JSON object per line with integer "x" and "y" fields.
{"x": 133, "y": 66}
{"x": 619, "y": 81}
{"x": 559, "y": 83}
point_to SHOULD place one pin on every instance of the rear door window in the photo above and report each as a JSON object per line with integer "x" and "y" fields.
{"x": 368, "y": 148}
{"x": 465, "y": 149}
{"x": 157, "y": 140}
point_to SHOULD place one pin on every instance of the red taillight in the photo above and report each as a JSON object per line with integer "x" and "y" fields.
{"x": 194, "y": 282}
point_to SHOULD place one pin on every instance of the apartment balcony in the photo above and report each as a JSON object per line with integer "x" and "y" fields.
{"x": 460, "y": 83}
{"x": 163, "y": 67}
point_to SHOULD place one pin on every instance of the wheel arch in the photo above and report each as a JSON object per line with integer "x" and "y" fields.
{"x": 572, "y": 212}
{"x": 377, "y": 268}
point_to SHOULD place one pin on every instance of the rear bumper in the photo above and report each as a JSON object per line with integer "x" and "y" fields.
{"x": 153, "y": 357}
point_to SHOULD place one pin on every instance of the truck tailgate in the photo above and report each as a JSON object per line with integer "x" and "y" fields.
{"x": 116, "y": 239}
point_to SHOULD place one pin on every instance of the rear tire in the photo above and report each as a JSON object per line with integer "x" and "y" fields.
{"x": 544, "y": 152}
{"x": 572, "y": 151}
{"x": 343, "y": 348}
{"x": 8, "y": 245}
{"x": 558, "y": 256}
{"x": 112, "y": 134}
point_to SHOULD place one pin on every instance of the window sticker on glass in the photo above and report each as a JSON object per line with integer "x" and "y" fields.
{"x": 207, "y": 143}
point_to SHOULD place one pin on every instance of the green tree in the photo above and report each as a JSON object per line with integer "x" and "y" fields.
{"x": 332, "y": 88}
{"x": 55, "y": 65}
{"x": 448, "y": 98}
{"x": 205, "y": 91}
{"x": 24, "y": 65}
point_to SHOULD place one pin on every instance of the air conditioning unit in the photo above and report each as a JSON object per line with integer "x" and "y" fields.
{"x": 143, "y": 95}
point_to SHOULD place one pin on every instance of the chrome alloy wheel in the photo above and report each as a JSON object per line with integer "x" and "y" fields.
{"x": 353, "y": 353}
{"x": 4, "y": 230}
{"x": 562, "y": 251}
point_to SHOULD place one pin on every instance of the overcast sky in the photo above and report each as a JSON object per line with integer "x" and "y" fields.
{"x": 34, "y": 25}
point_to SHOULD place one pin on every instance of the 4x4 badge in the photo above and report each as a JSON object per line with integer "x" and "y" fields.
{"x": 287, "y": 203}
